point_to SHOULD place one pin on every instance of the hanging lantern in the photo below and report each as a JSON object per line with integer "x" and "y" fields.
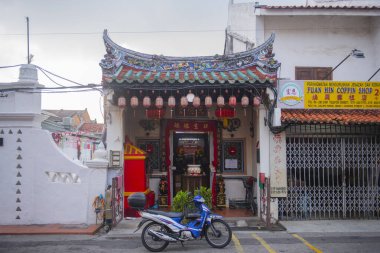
{"x": 220, "y": 101}
{"x": 208, "y": 104}
{"x": 159, "y": 102}
{"x": 208, "y": 101}
{"x": 146, "y": 103}
{"x": 134, "y": 104}
{"x": 256, "y": 101}
{"x": 122, "y": 102}
{"x": 184, "y": 103}
{"x": 245, "y": 103}
{"x": 159, "y": 105}
{"x": 171, "y": 104}
{"x": 232, "y": 101}
{"x": 196, "y": 104}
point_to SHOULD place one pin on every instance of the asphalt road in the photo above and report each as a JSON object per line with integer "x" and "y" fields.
{"x": 257, "y": 242}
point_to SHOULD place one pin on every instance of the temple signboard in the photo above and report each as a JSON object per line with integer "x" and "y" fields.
{"x": 329, "y": 95}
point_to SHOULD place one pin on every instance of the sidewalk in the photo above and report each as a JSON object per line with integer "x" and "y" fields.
{"x": 126, "y": 228}
{"x": 50, "y": 229}
{"x": 340, "y": 226}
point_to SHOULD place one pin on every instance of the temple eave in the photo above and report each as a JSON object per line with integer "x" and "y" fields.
{"x": 253, "y": 66}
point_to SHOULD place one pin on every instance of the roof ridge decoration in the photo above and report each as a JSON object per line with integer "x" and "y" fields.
{"x": 121, "y": 64}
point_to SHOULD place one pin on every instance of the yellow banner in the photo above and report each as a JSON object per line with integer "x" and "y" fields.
{"x": 341, "y": 95}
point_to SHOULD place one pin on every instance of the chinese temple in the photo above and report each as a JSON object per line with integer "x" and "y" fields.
{"x": 199, "y": 120}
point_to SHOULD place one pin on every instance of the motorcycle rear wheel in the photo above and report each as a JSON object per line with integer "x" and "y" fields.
{"x": 223, "y": 236}
{"x": 153, "y": 243}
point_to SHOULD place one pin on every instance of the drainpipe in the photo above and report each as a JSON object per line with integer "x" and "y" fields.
{"x": 267, "y": 183}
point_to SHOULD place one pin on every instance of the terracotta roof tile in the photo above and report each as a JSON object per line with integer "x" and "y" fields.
{"x": 92, "y": 128}
{"x": 340, "y": 117}
{"x": 315, "y": 7}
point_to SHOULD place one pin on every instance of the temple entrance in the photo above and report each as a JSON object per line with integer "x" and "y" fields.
{"x": 191, "y": 160}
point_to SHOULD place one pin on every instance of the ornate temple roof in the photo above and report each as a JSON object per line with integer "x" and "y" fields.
{"x": 122, "y": 65}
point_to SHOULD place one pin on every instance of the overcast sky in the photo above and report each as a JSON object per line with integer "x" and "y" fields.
{"x": 66, "y": 37}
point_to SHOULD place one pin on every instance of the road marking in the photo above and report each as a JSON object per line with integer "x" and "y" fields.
{"x": 307, "y": 243}
{"x": 239, "y": 248}
{"x": 264, "y": 243}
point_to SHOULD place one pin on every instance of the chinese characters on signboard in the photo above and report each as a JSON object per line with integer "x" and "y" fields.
{"x": 329, "y": 95}
{"x": 278, "y": 183}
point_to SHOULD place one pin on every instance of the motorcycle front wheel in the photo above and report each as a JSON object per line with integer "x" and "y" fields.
{"x": 152, "y": 242}
{"x": 220, "y": 237}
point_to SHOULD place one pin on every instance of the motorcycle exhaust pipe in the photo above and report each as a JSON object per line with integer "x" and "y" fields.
{"x": 162, "y": 236}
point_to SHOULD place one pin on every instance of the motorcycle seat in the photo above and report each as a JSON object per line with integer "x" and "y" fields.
{"x": 167, "y": 214}
{"x": 193, "y": 215}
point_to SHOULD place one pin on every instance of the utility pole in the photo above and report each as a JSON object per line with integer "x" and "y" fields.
{"x": 27, "y": 35}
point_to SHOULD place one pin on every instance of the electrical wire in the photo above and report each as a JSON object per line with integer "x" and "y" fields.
{"x": 12, "y": 66}
{"x": 40, "y": 68}
{"x": 43, "y": 72}
{"x": 61, "y": 77}
{"x": 185, "y": 31}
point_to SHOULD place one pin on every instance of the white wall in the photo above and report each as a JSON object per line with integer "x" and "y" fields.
{"x": 38, "y": 183}
{"x": 313, "y": 40}
{"x": 53, "y": 189}
{"x": 375, "y": 30}
{"x": 241, "y": 19}
{"x": 322, "y": 41}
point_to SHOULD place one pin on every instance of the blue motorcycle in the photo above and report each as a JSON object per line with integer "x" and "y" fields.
{"x": 166, "y": 227}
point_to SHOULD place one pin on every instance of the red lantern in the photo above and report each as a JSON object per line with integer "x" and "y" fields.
{"x": 256, "y": 101}
{"x": 244, "y": 103}
{"x": 171, "y": 104}
{"x": 225, "y": 113}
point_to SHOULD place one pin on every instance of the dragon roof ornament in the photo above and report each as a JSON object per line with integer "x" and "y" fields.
{"x": 121, "y": 64}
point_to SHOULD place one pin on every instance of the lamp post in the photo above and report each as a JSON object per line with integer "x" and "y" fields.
{"x": 355, "y": 53}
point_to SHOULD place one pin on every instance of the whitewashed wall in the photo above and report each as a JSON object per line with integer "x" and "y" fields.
{"x": 241, "y": 19}
{"x": 38, "y": 183}
{"x": 323, "y": 41}
{"x": 375, "y": 28}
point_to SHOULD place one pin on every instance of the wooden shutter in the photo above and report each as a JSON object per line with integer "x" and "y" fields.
{"x": 313, "y": 73}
